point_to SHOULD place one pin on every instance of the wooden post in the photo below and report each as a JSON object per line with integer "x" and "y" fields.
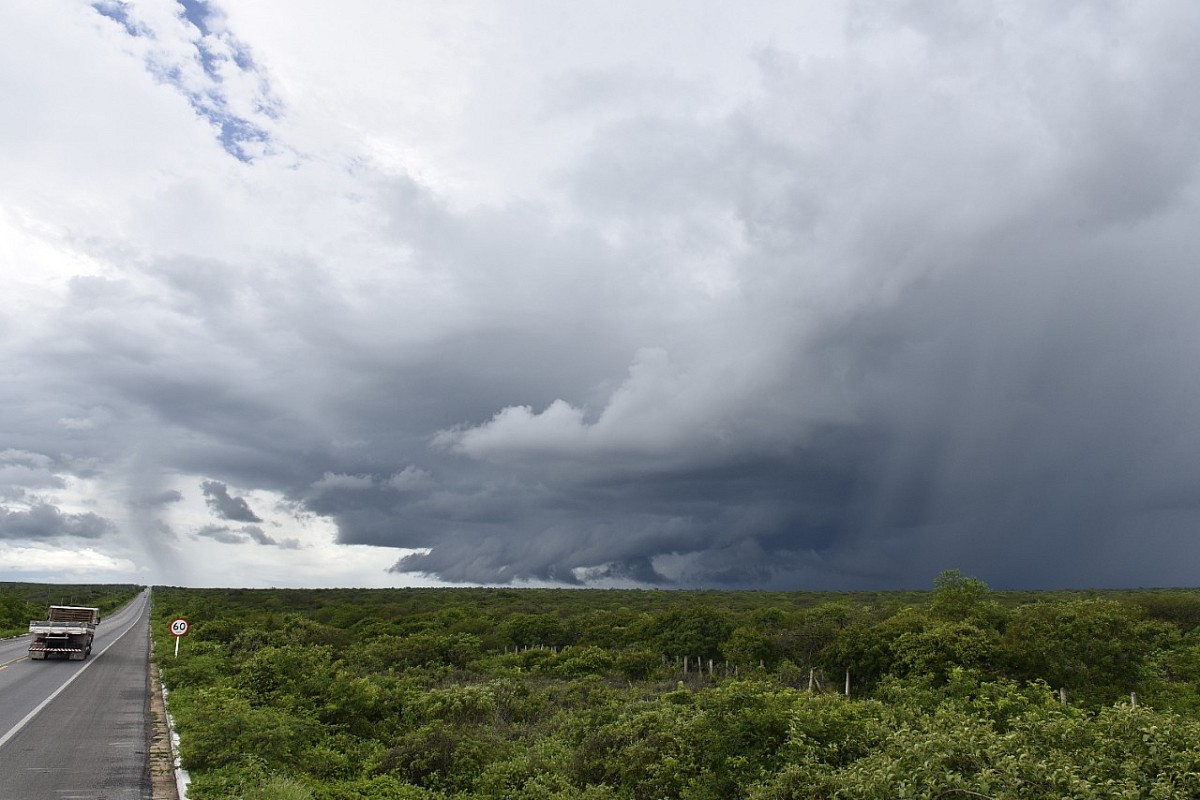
{"x": 812, "y": 675}
{"x": 847, "y": 681}
{"x": 1062, "y": 695}
{"x": 1133, "y": 699}
{"x": 685, "y": 665}
{"x": 710, "y": 668}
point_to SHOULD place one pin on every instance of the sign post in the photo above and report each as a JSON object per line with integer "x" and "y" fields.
{"x": 179, "y": 629}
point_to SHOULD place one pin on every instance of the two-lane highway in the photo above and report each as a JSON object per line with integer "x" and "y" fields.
{"x": 71, "y": 730}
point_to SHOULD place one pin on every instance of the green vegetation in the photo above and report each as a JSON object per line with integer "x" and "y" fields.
{"x": 22, "y": 602}
{"x": 433, "y": 694}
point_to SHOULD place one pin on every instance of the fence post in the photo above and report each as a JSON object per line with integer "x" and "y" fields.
{"x": 1062, "y": 695}
{"x": 847, "y": 681}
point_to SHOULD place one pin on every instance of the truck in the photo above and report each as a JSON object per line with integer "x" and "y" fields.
{"x": 68, "y": 632}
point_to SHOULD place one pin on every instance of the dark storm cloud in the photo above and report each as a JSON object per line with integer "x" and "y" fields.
{"x": 742, "y": 522}
{"x": 222, "y": 534}
{"x": 44, "y": 521}
{"x": 236, "y": 509}
{"x": 1003, "y": 389}
{"x": 163, "y": 498}
{"x": 22, "y": 472}
{"x": 247, "y": 534}
{"x": 1033, "y": 409}
{"x": 259, "y": 536}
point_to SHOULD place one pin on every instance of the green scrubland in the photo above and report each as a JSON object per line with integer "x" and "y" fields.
{"x": 432, "y": 694}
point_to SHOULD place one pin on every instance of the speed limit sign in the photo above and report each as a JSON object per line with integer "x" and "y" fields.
{"x": 179, "y": 629}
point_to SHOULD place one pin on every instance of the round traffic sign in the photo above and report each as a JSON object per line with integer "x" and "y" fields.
{"x": 179, "y": 627}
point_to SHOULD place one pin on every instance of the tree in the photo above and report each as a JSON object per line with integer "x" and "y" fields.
{"x": 534, "y": 630}
{"x": 750, "y": 646}
{"x": 940, "y": 647}
{"x": 696, "y": 631}
{"x": 1096, "y": 648}
{"x": 958, "y": 597}
{"x": 814, "y": 629}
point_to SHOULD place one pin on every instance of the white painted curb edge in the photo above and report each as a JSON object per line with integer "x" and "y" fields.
{"x": 182, "y": 779}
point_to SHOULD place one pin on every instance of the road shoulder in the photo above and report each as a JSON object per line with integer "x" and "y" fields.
{"x": 162, "y": 754}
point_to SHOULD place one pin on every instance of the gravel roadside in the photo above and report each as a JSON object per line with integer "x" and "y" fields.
{"x": 162, "y": 755}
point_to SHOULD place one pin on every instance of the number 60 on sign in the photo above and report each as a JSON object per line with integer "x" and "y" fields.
{"x": 179, "y": 628}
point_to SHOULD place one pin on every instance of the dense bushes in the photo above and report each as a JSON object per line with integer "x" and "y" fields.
{"x": 16, "y": 613}
{"x": 22, "y": 602}
{"x": 438, "y": 694}
{"x": 999, "y": 741}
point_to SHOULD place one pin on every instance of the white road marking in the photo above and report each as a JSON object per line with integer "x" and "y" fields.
{"x": 17, "y": 728}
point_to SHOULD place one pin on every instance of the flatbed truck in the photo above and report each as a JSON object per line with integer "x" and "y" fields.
{"x": 68, "y": 632}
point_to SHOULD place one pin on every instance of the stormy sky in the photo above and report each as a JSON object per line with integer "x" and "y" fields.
{"x": 784, "y": 295}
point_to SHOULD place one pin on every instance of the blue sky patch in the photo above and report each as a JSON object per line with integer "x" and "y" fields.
{"x": 236, "y": 133}
{"x": 197, "y": 13}
{"x": 118, "y": 12}
{"x": 214, "y": 49}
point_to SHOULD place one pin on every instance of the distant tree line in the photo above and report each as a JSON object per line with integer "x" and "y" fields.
{"x": 22, "y": 602}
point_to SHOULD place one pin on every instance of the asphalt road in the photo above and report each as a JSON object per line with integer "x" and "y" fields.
{"x": 76, "y": 730}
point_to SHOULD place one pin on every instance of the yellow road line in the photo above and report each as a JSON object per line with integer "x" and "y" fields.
{"x": 15, "y": 660}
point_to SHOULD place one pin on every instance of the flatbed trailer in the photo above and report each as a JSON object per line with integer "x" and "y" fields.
{"x": 68, "y": 632}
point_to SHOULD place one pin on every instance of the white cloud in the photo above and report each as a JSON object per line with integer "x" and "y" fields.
{"x": 49, "y": 561}
{"x": 332, "y": 480}
{"x": 411, "y": 477}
